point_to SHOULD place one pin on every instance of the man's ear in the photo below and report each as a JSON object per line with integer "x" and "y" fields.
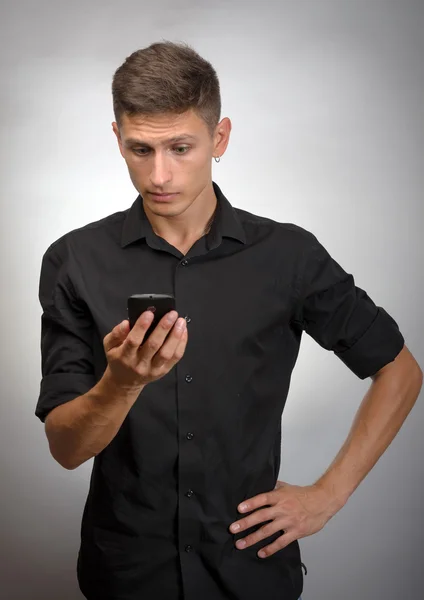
{"x": 222, "y": 136}
{"x": 118, "y": 136}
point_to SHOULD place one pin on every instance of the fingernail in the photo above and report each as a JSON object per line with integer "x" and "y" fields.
{"x": 240, "y": 543}
{"x": 235, "y": 527}
{"x": 243, "y": 507}
{"x": 171, "y": 316}
{"x": 181, "y": 323}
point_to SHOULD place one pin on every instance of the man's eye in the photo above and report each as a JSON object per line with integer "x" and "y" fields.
{"x": 186, "y": 148}
{"x": 145, "y": 151}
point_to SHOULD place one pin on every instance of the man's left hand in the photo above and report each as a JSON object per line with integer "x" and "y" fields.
{"x": 298, "y": 510}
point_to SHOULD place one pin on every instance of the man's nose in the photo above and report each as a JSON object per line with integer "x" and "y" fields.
{"x": 161, "y": 173}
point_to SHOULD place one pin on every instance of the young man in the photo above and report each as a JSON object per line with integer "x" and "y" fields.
{"x": 185, "y": 430}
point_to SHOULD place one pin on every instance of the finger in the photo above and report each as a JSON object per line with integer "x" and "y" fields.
{"x": 262, "y": 533}
{"x": 260, "y": 516}
{"x": 263, "y": 499}
{"x": 136, "y": 335}
{"x": 115, "y": 337}
{"x": 281, "y": 542}
{"x": 155, "y": 341}
{"x": 166, "y": 355}
{"x": 179, "y": 352}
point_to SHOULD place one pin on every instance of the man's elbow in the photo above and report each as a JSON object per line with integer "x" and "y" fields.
{"x": 52, "y": 437}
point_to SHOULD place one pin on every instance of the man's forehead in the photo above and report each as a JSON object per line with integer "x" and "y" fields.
{"x": 142, "y": 140}
{"x": 161, "y": 128}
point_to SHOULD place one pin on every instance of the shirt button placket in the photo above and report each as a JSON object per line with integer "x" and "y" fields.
{"x": 189, "y": 493}
{"x": 189, "y": 455}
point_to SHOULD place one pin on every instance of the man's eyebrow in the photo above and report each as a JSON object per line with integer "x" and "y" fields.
{"x": 184, "y": 136}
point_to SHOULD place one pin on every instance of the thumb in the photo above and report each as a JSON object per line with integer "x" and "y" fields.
{"x": 116, "y": 336}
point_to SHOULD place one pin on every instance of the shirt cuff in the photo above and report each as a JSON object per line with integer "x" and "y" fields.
{"x": 58, "y": 388}
{"x": 378, "y": 346}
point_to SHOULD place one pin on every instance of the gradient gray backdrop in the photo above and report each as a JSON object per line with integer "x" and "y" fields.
{"x": 326, "y": 100}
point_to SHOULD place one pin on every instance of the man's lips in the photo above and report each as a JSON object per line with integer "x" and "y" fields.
{"x": 163, "y": 193}
{"x": 163, "y": 196}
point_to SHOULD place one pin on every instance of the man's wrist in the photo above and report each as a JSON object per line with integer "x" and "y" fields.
{"x": 335, "y": 502}
{"x": 110, "y": 389}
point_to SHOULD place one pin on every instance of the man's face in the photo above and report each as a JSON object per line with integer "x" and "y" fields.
{"x": 159, "y": 164}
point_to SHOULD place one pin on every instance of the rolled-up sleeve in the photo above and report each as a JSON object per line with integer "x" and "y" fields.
{"x": 341, "y": 317}
{"x": 66, "y": 337}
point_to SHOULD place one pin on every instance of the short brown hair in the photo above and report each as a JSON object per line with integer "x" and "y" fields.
{"x": 167, "y": 77}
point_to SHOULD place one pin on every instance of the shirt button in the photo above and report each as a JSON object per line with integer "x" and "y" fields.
{"x": 190, "y": 435}
{"x": 184, "y": 262}
{"x": 188, "y": 378}
{"x": 187, "y": 318}
{"x": 188, "y": 548}
{"x": 189, "y": 493}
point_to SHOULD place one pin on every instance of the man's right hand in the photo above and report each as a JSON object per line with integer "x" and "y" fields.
{"x": 131, "y": 366}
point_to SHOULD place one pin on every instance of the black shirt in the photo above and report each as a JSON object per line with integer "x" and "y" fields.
{"x": 207, "y": 435}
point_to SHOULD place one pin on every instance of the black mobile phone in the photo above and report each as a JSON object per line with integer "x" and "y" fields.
{"x": 159, "y": 304}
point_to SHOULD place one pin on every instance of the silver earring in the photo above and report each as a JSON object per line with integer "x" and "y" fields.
{"x": 217, "y": 158}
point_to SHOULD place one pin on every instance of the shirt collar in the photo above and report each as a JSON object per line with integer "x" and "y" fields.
{"x": 226, "y": 222}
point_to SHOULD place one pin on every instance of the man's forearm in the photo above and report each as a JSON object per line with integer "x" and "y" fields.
{"x": 83, "y": 427}
{"x": 381, "y": 414}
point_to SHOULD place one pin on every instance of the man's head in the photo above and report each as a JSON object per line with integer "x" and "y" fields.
{"x": 162, "y": 92}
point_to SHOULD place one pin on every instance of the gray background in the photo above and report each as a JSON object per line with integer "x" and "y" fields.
{"x": 326, "y": 101}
